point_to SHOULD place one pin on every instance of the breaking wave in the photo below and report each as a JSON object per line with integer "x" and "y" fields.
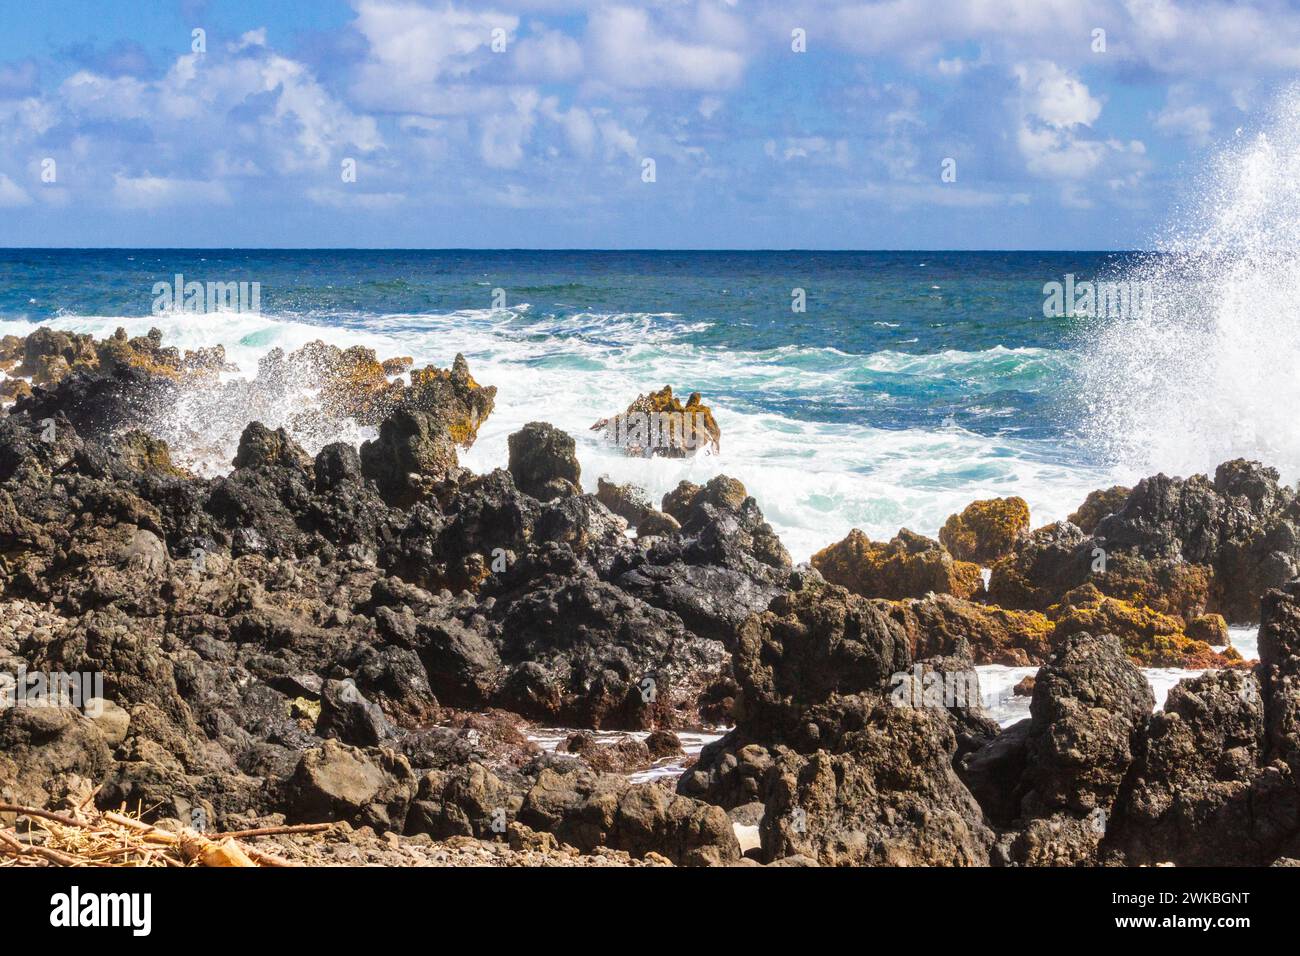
{"x": 1209, "y": 373}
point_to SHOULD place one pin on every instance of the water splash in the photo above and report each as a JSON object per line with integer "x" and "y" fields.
{"x": 1209, "y": 373}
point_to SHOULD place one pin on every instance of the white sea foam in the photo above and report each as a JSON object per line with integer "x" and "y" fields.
{"x": 814, "y": 480}
{"x": 1210, "y": 373}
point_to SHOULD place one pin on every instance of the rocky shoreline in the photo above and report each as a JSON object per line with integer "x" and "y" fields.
{"x": 369, "y": 635}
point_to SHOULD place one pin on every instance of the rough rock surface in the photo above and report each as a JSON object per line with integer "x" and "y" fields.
{"x": 986, "y": 530}
{"x": 368, "y": 637}
{"x": 658, "y": 424}
{"x": 908, "y": 566}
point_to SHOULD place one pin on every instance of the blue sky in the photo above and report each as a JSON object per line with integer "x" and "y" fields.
{"x": 114, "y": 131}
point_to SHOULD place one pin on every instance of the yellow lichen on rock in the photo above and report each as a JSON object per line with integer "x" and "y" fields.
{"x": 936, "y": 625}
{"x": 986, "y": 530}
{"x": 1150, "y": 638}
{"x": 909, "y": 565}
{"x": 657, "y": 423}
{"x": 1099, "y": 504}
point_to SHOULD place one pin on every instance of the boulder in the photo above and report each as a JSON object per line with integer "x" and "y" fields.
{"x": 413, "y": 452}
{"x": 657, "y": 423}
{"x": 1099, "y": 504}
{"x": 543, "y": 461}
{"x": 986, "y": 530}
{"x": 908, "y": 566}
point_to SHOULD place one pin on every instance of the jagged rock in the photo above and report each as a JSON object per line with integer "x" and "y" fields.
{"x": 259, "y": 447}
{"x": 1089, "y": 714}
{"x": 543, "y": 461}
{"x": 338, "y": 782}
{"x": 587, "y": 654}
{"x": 940, "y": 624}
{"x": 227, "y": 616}
{"x": 1210, "y": 628}
{"x": 414, "y": 450}
{"x": 1151, "y": 639}
{"x": 986, "y": 530}
{"x": 98, "y": 402}
{"x": 677, "y": 503}
{"x": 586, "y": 810}
{"x": 1203, "y": 795}
{"x": 1243, "y": 525}
{"x": 624, "y": 756}
{"x": 42, "y": 746}
{"x": 627, "y": 501}
{"x": 142, "y": 452}
{"x": 658, "y": 423}
{"x": 656, "y": 524}
{"x": 908, "y": 566}
{"x": 842, "y": 769}
{"x": 12, "y": 389}
{"x": 663, "y": 743}
{"x": 1099, "y": 504}
{"x": 347, "y": 715}
{"x": 1054, "y": 560}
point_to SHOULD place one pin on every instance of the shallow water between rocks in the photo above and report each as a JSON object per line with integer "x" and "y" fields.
{"x": 996, "y": 684}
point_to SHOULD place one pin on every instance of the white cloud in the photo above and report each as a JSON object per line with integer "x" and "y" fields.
{"x": 816, "y": 149}
{"x": 251, "y": 38}
{"x": 549, "y": 56}
{"x": 1181, "y": 116}
{"x": 630, "y": 51}
{"x": 420, "y": 58}
{"x": 11, "y": 194}
{"x": 343, "y": 198}
{"x": 1054, "y": 96}
{"x": 504, "y": 135}
{"x": 155, "y": 192}
{"x": 1053, "y": 105}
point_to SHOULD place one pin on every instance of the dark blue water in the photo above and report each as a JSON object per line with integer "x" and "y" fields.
{"x": 856, "y": 303}
{"x": 912, "y": 383}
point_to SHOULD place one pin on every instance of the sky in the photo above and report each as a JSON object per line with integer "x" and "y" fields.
{"x": 681, "y": 124}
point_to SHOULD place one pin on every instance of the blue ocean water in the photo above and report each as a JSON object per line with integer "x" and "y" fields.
{"x": 912, "y": 383}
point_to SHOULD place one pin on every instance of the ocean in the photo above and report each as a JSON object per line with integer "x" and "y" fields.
{"x": 910, "y": 384}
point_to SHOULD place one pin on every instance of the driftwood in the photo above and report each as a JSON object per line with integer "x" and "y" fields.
{"x": 89, "y": 837}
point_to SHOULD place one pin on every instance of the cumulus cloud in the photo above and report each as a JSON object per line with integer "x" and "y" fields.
{"x": 1054, "y": 96}
{"x": 1054, "y": 104}
{"x": 548, "y": 56}
{"x": 630, "y": 50}
{"x": 155, "y": 192}
{"x": 582, "y": 91}
{"x": 421, "y": 58}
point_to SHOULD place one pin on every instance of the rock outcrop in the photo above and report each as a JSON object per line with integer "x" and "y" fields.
{"x": 908, "y": 566}
{"x": 986, "y": 530}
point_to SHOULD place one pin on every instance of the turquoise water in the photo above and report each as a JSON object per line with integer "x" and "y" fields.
{"x": 913, "y": 382}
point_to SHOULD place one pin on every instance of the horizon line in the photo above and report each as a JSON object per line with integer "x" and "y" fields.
{"x": 542, "y": 249}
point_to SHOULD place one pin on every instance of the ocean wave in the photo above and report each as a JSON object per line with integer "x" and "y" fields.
{"x": 815, "y": 480}
{"x": 1209, "y": 372}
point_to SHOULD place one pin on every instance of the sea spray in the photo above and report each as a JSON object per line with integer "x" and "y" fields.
{"x": 1208, "y": 373}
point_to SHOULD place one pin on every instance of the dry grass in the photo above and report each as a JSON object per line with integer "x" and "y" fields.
{"x": 91, "y": 837}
